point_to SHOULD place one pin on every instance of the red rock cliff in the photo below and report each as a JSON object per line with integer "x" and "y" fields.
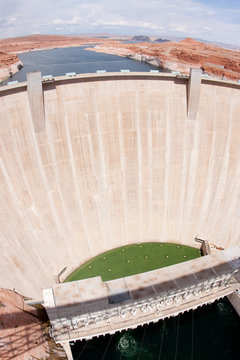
{"x": 180, "y": 56}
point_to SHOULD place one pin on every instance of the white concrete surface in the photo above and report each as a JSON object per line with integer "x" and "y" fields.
{"x": 119, "y": 162}
{"x": 193, "y": 96}
{"x": 234, "y": 299}
{"x": 35, "y": 98}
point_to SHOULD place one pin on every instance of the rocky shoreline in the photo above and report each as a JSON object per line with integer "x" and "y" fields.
{"x": 180, "y": 56}
{"x": 10, "y": 64}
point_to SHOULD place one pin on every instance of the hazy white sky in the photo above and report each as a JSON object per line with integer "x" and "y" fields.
{"x": 216, "y": 20}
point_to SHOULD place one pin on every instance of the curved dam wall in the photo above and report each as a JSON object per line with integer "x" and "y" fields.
{"x": 117, "y": 161}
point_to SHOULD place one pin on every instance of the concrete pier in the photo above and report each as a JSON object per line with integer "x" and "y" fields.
{"x": 35, "y": 97}
{"x": 194, "y": 88}
{"x": 67, "y": 349}
{"x": 234, "y": 299}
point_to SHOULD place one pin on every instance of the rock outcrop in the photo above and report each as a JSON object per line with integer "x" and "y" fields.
{"x": 9, "y": 65}
{"x": 180, "y": 56}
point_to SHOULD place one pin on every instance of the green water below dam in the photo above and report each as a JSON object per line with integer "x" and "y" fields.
{"x": 208, "y": 333}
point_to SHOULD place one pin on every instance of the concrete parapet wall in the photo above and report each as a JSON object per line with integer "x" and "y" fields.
{"x": 118, "y": 162}
{"x": 86, "y": 308}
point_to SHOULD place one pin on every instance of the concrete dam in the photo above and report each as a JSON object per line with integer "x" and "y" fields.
{"x": 98, "y": 161}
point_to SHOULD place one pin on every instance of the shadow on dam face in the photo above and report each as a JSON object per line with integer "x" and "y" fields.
{"x": 115, "y": 162}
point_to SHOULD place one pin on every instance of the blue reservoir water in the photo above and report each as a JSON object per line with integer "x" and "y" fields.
{"x": 57, "y": 62}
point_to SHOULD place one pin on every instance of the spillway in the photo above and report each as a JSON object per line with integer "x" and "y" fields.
{"x": 113, "y": 159}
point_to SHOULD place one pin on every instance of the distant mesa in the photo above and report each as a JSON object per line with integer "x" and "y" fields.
{"x": 179, "y": 56}
{"x": 160, "y": 40}
{"x": 102, "y": 36}
{"x": 140, "y": 38}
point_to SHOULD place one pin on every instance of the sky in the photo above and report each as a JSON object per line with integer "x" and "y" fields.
{"x": 214, "y": 20}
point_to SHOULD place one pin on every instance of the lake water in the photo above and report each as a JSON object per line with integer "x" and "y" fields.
{"x": 57, "y": 62}
{"x": 208, "y": 333}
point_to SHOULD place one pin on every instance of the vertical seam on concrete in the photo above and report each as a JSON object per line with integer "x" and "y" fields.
{"x": 205, "y": 201}
{"x": 73, "y": 167}
{"x": 56, "y": 171}
{"x": 46, "y": 185}
{"x": 123, "y": 170}
{"x": 235, "y": 190}
{"x": 220, "y": 187}
{"x": 150, "y": 161}
{"x": 103, "y": 193}
{"x": 32, "y": 208}
{"x": 139, "y": 162}
{"x": 194, "y": 126}
{"x": 15, "y": 200}
{"x": 167, "y": 161}
{"x": 25, "y": 180}
{"x": 183, "y": 184}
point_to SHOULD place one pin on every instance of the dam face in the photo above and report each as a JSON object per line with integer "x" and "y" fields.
{"x": 113, "y": 160}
